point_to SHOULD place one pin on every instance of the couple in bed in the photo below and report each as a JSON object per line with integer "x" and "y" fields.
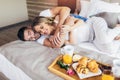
{"x": 58, "y": 28}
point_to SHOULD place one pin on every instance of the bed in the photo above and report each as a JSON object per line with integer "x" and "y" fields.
{"x": 33, "y": 59}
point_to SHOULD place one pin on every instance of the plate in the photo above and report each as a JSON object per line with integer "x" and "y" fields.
{"x": 89, "y": 74}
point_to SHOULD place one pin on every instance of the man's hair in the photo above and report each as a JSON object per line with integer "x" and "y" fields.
{"x": 20, "y": 33}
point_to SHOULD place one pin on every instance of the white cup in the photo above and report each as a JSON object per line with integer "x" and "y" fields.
{"x": 68, "y": 49}
{"x": 116, "y": 68}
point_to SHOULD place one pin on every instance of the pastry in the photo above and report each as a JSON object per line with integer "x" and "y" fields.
{"x": 93, "y": 66}
{"x": 85, "y": 71}
{"x": 85, "y": 65}
{"x": 83, "y": 61}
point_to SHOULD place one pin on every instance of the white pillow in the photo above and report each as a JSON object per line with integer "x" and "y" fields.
{"x": 98, "y": 6}
{"x": 84, "y": 8}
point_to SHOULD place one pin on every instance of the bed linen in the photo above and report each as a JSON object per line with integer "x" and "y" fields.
{"x": 34, "y": 59}
{"x": 10, "y": 72}
{"x": 31, "y": 58}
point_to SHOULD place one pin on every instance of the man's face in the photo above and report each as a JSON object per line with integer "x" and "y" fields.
{"x": 30, "y": 35}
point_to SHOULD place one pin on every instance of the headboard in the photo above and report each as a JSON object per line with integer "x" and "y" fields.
{"x": 73, "y": 4}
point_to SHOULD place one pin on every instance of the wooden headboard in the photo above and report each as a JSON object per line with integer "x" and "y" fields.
{"x": 73, "y": 4}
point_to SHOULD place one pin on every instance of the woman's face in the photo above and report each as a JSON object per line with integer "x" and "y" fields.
{"x": 43, "y": 28}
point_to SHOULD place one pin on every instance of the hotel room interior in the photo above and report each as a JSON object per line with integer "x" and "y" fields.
{"x": 15, "y": 14}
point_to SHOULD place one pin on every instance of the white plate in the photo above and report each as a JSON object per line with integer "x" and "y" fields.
{"x": 89, "y": 74}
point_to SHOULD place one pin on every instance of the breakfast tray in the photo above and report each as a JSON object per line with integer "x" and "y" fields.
{"x": 54, "y": 68}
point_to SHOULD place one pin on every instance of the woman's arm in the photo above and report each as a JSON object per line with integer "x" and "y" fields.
{"x": 63, "y": 13}
{"x": 60, "y": 13}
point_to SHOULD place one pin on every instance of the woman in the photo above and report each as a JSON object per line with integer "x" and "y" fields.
{"x": 98, "y": 33}
{"x": 47, "y": 26}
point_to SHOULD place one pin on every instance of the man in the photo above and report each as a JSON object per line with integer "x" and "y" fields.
{"x": 27, "y": 34}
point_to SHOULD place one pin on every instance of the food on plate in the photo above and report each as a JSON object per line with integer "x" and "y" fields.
{"x": 67, "y": 59}
{"x": 85, "y": 65}
{"x": 85, "y": 71}
{"x": 82, "y": 65}
{"x": 76, "y": 57}
{"x": 81, "y": 69}
{"x": 83, "y": 61}
{"x": 93, "y": 66}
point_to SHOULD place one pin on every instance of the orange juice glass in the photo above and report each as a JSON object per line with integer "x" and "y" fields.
{"x": 67, "y": 59}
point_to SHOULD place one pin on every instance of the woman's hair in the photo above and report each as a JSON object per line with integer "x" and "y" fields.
{"x": 41, "y": 19}
{"x": 20, "y": 33}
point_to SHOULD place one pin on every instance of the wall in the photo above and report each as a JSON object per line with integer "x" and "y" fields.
{"x": 36, "y": 6}
{"x": 12, "y": 11}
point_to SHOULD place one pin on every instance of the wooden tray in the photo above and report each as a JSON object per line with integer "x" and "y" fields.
{"x": 54, "y": 68}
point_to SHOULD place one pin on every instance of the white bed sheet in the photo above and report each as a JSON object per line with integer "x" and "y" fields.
{"x": 31, "y": 58}
{"x": 11, "y": 71}
{"x": 34, "y": 59}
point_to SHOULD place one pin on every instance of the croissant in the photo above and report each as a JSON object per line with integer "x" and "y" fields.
{"x": 85, "y": 71}
{"x": 83, "y": 61}
{"x": 93, "y": 66}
